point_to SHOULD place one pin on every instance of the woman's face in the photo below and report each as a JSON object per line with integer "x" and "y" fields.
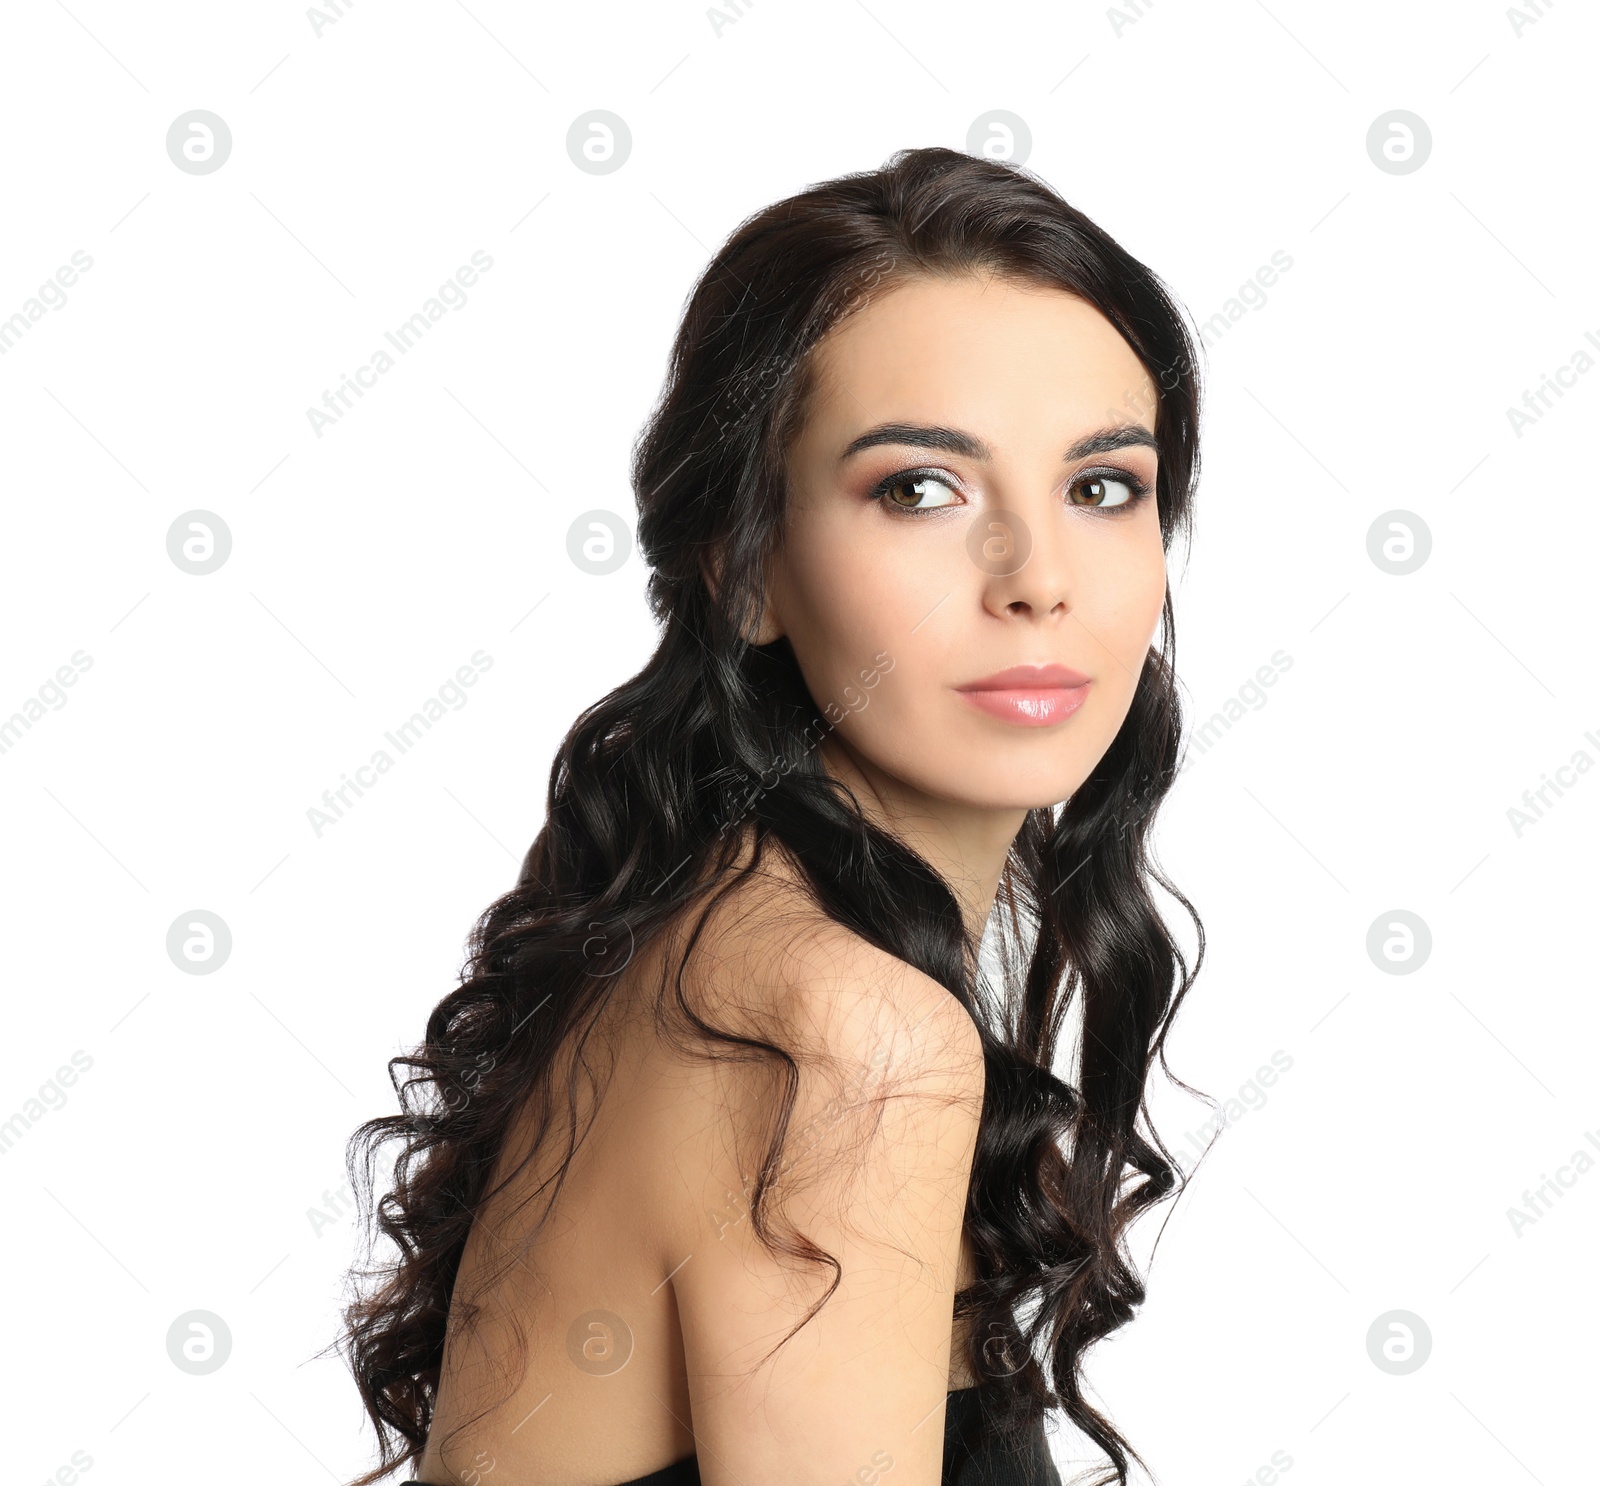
{"x": 967, "y": 498}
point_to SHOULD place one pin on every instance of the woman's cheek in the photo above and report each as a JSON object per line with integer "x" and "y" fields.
{"x": 1134, "y": 603}
{"x": 872, "y": 706}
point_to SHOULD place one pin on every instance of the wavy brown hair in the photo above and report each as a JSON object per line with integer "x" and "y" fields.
{"x": 715, "y": 731}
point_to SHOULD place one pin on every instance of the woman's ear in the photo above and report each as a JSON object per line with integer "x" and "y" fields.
{"x": 768, "y": 627}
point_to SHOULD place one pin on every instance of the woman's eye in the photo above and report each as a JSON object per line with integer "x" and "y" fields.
{"x": 1101, "y": 490}
{"x": 908, "y": 492}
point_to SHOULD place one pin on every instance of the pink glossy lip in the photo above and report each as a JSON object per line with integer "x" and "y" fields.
{"x": 1033, "y": 696}
{"x": 1031, "y": 678}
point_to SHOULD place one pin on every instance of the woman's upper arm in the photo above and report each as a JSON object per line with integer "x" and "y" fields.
{"x": 874, "y": 1172}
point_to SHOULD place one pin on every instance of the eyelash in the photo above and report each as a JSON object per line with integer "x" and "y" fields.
{"x": 1138, "y": 490}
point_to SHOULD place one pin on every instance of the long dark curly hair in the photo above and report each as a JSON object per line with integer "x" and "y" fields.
{"x": 715, "y": 732}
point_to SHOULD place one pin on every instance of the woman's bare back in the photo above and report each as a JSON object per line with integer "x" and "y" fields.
{"x": 605, "y": 1394}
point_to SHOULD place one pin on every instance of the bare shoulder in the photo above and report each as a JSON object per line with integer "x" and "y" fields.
{"x": 861, "y": 1135}
{"x": 771, "y": 959}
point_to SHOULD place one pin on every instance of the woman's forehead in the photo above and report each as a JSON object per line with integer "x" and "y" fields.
{"x": 975, "y": 350}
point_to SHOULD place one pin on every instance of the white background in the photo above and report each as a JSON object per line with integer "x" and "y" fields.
{"x": 368, "y": 163}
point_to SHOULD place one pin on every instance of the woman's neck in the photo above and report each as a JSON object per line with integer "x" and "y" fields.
{"x": 966, "y": 844}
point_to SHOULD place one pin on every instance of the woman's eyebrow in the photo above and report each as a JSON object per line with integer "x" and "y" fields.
{"x": 954, "y": 441}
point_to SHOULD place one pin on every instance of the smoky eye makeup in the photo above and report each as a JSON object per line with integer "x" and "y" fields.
{"x": 937, "y": 485}
{"x": 1111, "y": 489}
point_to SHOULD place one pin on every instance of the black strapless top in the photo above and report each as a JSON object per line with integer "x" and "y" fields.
{"x": 964, "y": 1464}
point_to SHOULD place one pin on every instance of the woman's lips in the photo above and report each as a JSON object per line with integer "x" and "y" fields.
{"x": 1034, "y": 706}
{"x": 1032, "y": 696}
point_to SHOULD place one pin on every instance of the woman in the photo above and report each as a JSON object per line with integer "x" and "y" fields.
{"x": 733, "y": 1162}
